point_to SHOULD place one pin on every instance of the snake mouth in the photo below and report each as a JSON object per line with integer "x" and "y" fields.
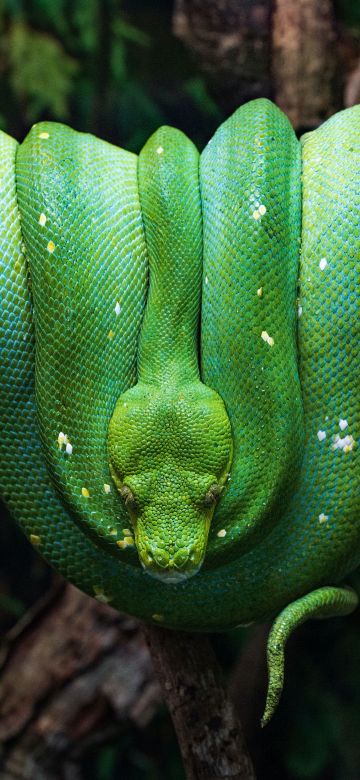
{"x": 170, "y": 568}
{"x": 170, "y": 576}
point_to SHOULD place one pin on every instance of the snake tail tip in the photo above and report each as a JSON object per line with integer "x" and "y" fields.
{"x": 274, "y": 692}
{"x": 265, "y": 719}
{"x": 272, "y": 701}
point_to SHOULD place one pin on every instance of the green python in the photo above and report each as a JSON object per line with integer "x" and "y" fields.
{"x": 180, "y": 363}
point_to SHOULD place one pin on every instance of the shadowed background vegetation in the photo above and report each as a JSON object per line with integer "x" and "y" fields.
{"x": 117, "y": 69}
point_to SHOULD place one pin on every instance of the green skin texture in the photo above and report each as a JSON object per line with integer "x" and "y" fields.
{"x": 170, "y": 442}
{"x": 150, "y": 316}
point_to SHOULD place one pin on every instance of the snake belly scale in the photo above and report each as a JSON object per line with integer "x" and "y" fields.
{"x": 180, "y": 368}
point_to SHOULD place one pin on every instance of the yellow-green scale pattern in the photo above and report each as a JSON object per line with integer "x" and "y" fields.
{"x": 251, "y": 195}
{"x": 77, "y": 247}
{"x": 86, "y": 342}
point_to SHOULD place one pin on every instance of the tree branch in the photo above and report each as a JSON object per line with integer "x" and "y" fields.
{"x": 208, "y": 731}
{"x": 73, "y": 673}
{"x": 304, "y": 61}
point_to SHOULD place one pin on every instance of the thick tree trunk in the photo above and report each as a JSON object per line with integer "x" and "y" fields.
{"x": 208, "y": 731}
{"x": 304, "y": 61}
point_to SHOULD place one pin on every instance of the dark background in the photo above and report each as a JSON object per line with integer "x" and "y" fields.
{"x": 118, "y": 70}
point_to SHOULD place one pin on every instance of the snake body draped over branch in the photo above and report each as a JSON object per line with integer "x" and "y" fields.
{"x": 180, "y": 368}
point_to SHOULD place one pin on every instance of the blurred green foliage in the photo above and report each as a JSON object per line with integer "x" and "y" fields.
{"x": 101, "y": 67}
{"x": 116, "y": 70}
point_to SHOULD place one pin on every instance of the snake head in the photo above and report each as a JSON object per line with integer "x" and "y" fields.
{"x": 170, "y": 455}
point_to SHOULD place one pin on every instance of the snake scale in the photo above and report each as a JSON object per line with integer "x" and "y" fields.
{"x": 180, "y": 363}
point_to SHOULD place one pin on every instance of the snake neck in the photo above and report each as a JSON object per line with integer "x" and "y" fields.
{"x": 170, "y": 205}
{"x": 168, "y": 341}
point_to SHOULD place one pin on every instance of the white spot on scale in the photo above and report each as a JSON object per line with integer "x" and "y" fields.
{"x": 300, "y": 311}
{"x": 259, "y": 212}
{"x": 107, "y": 488}
{"x": 321, "y": 435}
{"x": 51, "y": 247}
{"x": 345, "y": 443}
{"x": 259, "y": 292}
{"x": 124, "y": 543}
{"x": 63, "y": 441}
{"x": 117, "y": 308}
{"x": 323, "y": 518}
{"x": 206, "y": 280}
{"x": 221, "y": 533}
{"x": 343, "y": 424}
{"x": 44, "y": 135}
{"x": 323, "y": 264}
{"x": 42, "y": 219}
{"x": 265, "y": 337}
{"x": 100, "y": 595}
{"x": 160, "y": 150}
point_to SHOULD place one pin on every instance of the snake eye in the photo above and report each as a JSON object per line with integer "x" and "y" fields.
{"x": 212, "y": 495}
{"x": 128, "y": 497}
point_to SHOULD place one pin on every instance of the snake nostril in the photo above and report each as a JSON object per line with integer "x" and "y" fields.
{"x": 161, "y": 558}
{"x": 180, "y": 559}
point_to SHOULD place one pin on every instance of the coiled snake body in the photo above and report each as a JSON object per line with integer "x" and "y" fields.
{"x": 187, "y": 446}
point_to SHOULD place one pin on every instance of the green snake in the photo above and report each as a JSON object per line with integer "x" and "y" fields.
{"x": 180, "y": 363}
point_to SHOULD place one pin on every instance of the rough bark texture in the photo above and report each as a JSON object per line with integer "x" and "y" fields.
{"x": 231, "y": 43}
{"x": 74, "y": 672}
{"x": 208, "y": 731}
{"x": 352, "y": 88}
{"x": 285, "y": 49}
{"x": 304, "y": 61}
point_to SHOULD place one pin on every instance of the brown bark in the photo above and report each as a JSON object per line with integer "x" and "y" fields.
{"x": 231, "y": 43}
{"x": 349, "y": 58}
{"x": 246, "y": 51}
{"x": 304, "y": 61}
{"x": 73, "y": 673}
{"x": 208, "y": 731}
{"x": 352, "y": 88}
